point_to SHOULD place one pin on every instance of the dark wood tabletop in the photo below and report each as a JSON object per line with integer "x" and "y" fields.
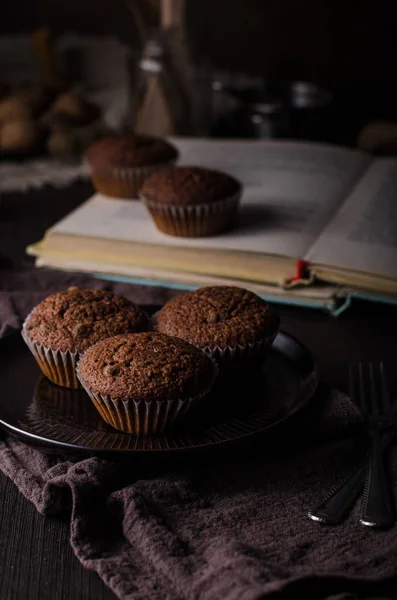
{"x": 36, "y": 560}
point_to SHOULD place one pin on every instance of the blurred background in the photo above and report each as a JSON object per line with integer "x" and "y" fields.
{"x": 323, "y": 70}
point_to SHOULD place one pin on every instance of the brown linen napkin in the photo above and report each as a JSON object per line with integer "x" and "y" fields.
{"x": 22, "y": 287}
{"x": 234, "y": 528}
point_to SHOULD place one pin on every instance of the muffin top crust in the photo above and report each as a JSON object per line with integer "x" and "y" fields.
{"x": 129, "y": 150}
{"x": 75, "y": 319}
{"x": 146, "y": 366}
{"x": 186, "y": 186}
{"x": 218, "y": 316}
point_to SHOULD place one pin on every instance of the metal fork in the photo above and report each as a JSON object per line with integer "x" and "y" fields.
{"x": 335, "y": 507}
{"x": 337, "y": 504}
{"x": 377, "y": 509}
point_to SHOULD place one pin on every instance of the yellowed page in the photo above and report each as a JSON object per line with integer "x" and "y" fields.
{"x": 362, "y": 237}
{"x": 243, "y": 265}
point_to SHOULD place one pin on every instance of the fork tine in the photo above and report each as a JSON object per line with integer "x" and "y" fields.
{"x": 386, "y": 400}
{"x": 362, "y": 392}
{"x": 376, "y": 409}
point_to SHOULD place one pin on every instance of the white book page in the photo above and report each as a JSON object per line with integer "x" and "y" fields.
{"x": 290, "y": 192}
{"x": 363, "y": 234}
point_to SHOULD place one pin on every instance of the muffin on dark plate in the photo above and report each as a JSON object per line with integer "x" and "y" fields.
{"x": 233, "y": 325}
{"x": 191, "y": 201}
{"x": 121, "y": 163}
{"x": 65, "y": 324}
{"x": 144, "y": 383}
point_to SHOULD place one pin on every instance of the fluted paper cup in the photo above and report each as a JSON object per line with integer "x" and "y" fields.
{"x": 198, "y": 220}
{"x": 143, "y": 417}
{"x": 57, "y": 365}
{"x": 243, "y": 356}
{"x": 124, "y": 183}
{"x": 251, "y": 355}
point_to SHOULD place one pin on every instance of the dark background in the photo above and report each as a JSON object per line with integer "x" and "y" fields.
{"x": 346, "y": 46}
{"x": 334, "y": 41}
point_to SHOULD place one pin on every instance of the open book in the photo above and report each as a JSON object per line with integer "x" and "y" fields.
{"x": 316, "y": 221}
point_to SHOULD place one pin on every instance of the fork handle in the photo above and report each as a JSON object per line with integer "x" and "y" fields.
{"x": 377, "y": 507}
{"x": 335, "y": 507}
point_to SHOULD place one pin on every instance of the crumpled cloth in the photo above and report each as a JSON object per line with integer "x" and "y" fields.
{"x": 232, "y": 527}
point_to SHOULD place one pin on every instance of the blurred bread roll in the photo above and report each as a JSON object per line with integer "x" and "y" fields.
{"x": 14, "y": 109}
{"x": 19, "y": 135}
{"x": 70, "y": 109}
{"x": 61, "y": 143}
{"x": 75, "y": 141}
{"x": 69, "y": 103}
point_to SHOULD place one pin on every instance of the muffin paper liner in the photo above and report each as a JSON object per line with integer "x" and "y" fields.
{"x": 237, "y": 356}
{"x": 195, "y": 220}
{"x": 146, "y": 416}
{"x": 241, "y": 356}
{"x": 125, "y": 183}
{"x": 58, "y": 366}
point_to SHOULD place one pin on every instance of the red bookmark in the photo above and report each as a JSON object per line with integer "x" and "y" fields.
{"x": 301, "y": 270}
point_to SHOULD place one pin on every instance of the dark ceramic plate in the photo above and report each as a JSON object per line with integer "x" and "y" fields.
{"x": 50, "y": 416}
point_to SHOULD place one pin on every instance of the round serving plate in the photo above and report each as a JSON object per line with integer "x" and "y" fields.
{"x": 46, "y": 415}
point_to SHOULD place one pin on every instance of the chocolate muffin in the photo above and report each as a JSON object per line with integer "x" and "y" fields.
{"x": 234, "y": 325}
{"x": 191, "y": 201}
{"x": 142, "y": 383}
{"x": 65, "y": 324}
{"x": 120, "y": 163}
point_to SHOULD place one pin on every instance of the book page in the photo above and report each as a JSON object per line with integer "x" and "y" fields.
{"x": 363, "y": 234}
{"x": 290, "y": 192}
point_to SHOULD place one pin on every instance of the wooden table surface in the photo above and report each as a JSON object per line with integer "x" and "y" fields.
{"x": 36, "y": 561}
